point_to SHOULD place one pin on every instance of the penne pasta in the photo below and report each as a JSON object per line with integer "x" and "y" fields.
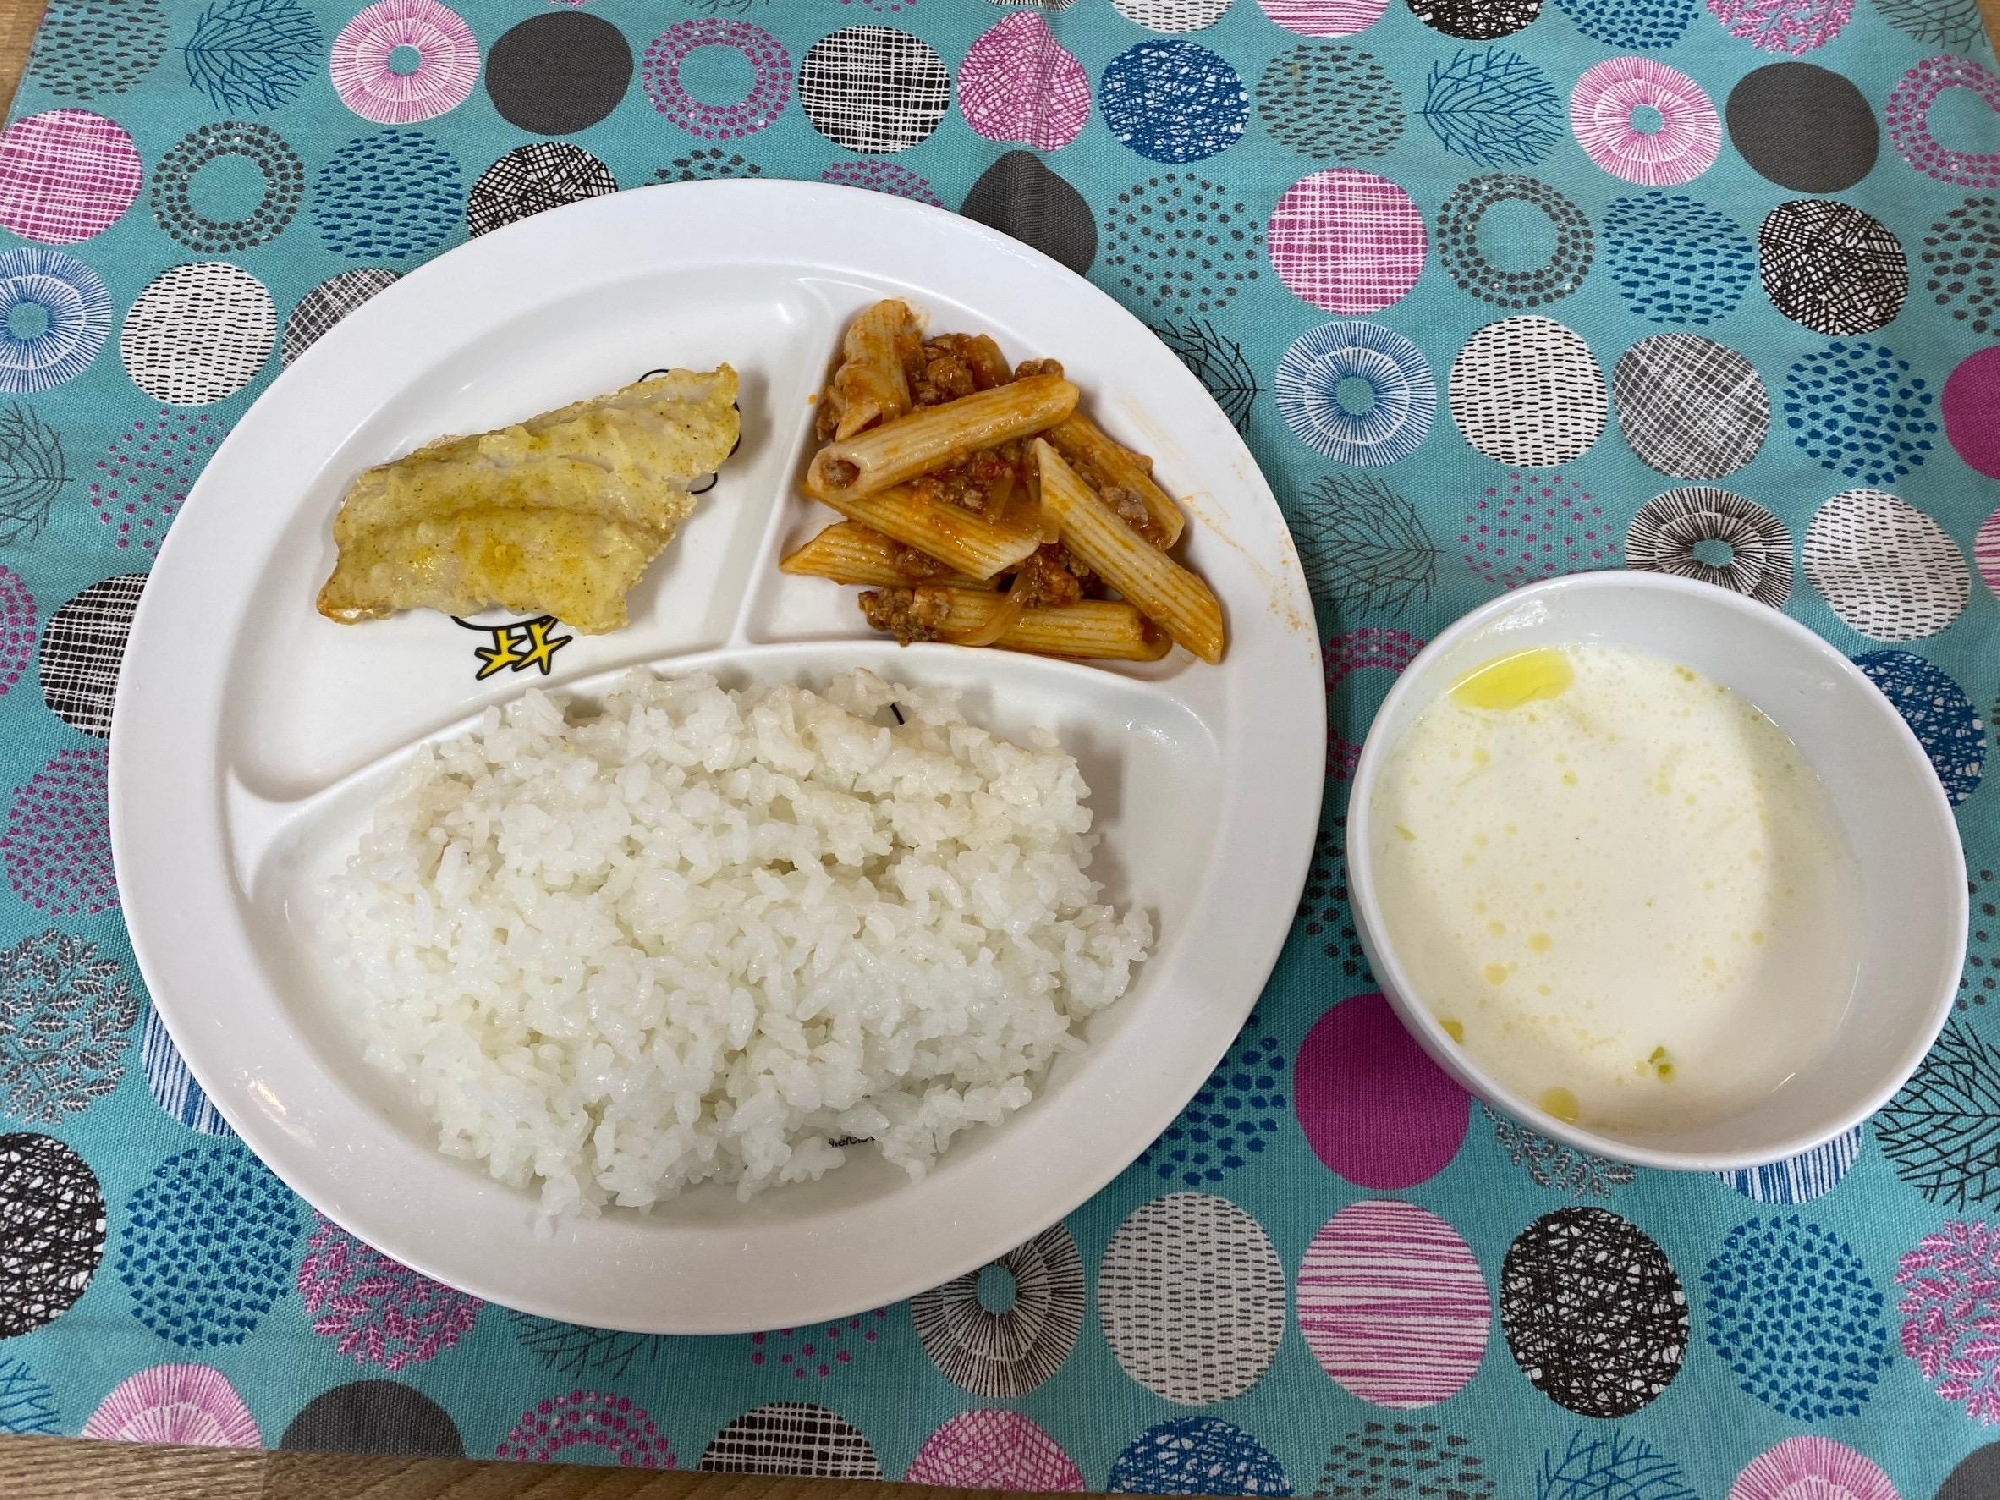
{"x": 1162, "y": 590}
{"x": 870, "y": 386}
{"x": 1096, "y": 629}
{"x": 956, "y": 537}
{"x": 933, "y": 436}
{"x": 1107, "y": 464}
{"x": 848, "y": 552}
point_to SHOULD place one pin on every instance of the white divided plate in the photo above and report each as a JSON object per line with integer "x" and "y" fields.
{"x": 251, "y": 735}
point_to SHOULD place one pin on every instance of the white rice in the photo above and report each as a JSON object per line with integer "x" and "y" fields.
{"x": 704, "y": 935}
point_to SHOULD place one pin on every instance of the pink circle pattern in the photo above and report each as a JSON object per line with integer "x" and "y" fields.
{"x": 1811, "y": 1468}
{"x": 1019, "y": 84}
{"x": 1600, "y": 112}
{"x": 377, "y": 1310}
{"x": 144, "y": 478}
{"x": 1347, "y": 241}
{"x": 1323, "y": 17}
{"x": 366, "y": 84}
{"x": 1359, "y": 650}
{"x": 821, "y": 1349}
{"x": 587, "y": 1419}
{"x": 994, "y": 1450}
{"x": 1971, "y": 408}
{"x": 1908, "y": 116}
{"x": 770, "y": 87}
{"x": 1986, "y": 551}
{"x": 1373, "y": 1106}
{"x": 193, "y": 1405}
{"x": 66, "y": 175}
{"x": 57, "y": 847}
{"x": 1535, "y": 526}
{"x": 1392, "y": 1304}
{"x": 1951, "y": 1315}
{"x": 882, "y": 177}
{"x": 17, "y": 628}
{"x": 1792, "y": 26}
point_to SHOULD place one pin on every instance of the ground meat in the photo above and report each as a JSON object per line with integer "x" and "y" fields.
{"x": 916, "y": 566}
{"x": 973, "y": 482}
{"x": 908, "y": 614}
{"x": 1028, "y": 367}
{"x": 1132, "y": 511}
{"x": 1050, "y": 582}
{"x": 954, "y": 365}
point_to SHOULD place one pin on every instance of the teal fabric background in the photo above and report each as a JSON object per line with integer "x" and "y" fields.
{"x": 1652, "y": 1341}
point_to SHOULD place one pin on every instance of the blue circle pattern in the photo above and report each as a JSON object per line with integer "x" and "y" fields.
{"x": 27, "y": 1406}
{"x": 208, "y": 1246}
{"x": 1856, "y": 408}
{"x": 1197, "y": 1456}
{"x": 172, "y": 1084}
{"x": 1938, "y": 712}
{"x": 1801, "y": 1178}
{"x": 1633, "y": 25}
{"x": 1677, "y": 261}
{"x": 1792, "y": 1311}
{"x": 387, "y": 197}
{"x": 1307, "y": 387}
{"x": 1173, "y": 101}
{"x": 77, "y": 312}
{"x": 1233, "y": 1118}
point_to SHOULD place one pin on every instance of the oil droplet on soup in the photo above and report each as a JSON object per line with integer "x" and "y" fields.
{"x": 1620, "y": 882}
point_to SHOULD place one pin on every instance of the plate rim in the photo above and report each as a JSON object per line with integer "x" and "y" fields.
{"x": 144, "y": 919}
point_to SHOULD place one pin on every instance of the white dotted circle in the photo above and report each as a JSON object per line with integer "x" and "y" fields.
{"x": 198, "y": 333}
{"x": 1527, "y": 392}
{"x": 1888, "y": 570}
{"x": 1192, "y": 1297}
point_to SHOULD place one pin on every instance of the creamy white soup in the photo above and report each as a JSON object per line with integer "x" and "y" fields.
{"x": 1617, "y": 885}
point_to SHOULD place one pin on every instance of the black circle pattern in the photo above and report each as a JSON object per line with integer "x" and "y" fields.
{"x": 1832, "y": 268}
{"x": 532, "y": 179}
{"x": 558, "y": 73}
{"x": 1962, "y": 262}
{"x": 1474, "y": 271}
{"x": 792, "y": 1437}
{"x": 374, "y": 1416}
{"x": 284, "y": 187}
{"x": 51, "y": 1230}
{"x": 707, "y": 164}
{"x": 1593, "y": 1312}
{"x": 1668, "y": 529}
{"x": 874, "y": 88}
{"x": 1690, "y": 407}
{"x": 1182, "y": 244}
{"x": 1980, "y": 980}
{"x": 329, "y": 302}
{"x": 1403, "y": 1461}
{"x": 1018, "y": 195}
{"x": 1330, "y": 102}
{"x": 1328, "y": 919}
{"x": 1476, "y": 20}
{"x": 1007, "y": 1353}
{"x": 83, "y": 645}
{"x": 91, "y": 47}
{"x": 1803, "y": 127}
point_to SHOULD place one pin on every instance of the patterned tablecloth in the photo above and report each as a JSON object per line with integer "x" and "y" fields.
{"x": 1496, "y": 289}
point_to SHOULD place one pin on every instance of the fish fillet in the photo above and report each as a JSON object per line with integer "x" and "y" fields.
{"x": 556, "y": 515}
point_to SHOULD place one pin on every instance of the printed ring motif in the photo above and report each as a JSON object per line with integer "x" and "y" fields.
{"x": 1458, "y": 242}
{"x": 362, "y": 63}
{"x": 1399, "y": 415}
{"x": 284, "y": 186}
{"x": 770, "y": 88}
